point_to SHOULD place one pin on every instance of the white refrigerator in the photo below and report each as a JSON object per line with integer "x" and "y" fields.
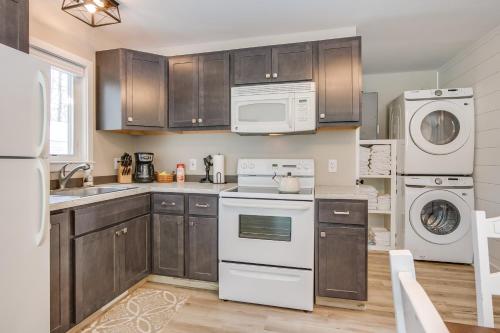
{"x": 24, "y": 193}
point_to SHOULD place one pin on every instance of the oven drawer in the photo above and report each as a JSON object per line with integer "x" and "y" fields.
{"x": 283, "y": 287}
{"x": 343, "y": 211}
{"x": 168, "y": 203}
{"x": 203, "y": 205}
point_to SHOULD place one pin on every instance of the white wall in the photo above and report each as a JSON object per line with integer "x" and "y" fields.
{"x": 391, "y": 85}
{"x": 479, "y": 67}
{"x": 50, "y": 24}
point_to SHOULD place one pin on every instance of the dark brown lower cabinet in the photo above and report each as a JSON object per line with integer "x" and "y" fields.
{"x": 136, "y": 251}
{"x": 96, "y": 271}
{"x": 60, "y": 272}
{"x": 203, "y": 248}
{"x": 108, "y": 262}
{"x": 186, "y": 245}
{"x": 168, "y": 245}
{"x": 342, "y": 261}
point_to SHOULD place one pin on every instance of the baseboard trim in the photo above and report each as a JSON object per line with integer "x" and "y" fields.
{"x": 341, "y": 303}
{"x": 180, "y": 282}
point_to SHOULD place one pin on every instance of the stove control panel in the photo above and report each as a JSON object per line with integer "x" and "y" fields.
{"x": 280, "y": 167}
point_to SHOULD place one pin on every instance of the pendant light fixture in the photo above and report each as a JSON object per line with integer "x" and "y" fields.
{"x": 95, "y": 13}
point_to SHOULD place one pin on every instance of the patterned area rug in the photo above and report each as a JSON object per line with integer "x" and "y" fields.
{"x": 146, "y": 310}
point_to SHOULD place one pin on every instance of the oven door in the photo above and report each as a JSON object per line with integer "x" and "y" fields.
{"x": 268, "y": 232}
{"x": 271, "y": 113}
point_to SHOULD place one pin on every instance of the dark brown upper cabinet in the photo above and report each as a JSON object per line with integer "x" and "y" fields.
{"x": 199, "y": 91}
{"x": 339, "y": 81}
{"x": 252, "y": 65}
{"x": 283, "y": 63}
{"x": 131, "y": 90}
{"x": 14, "y": 24}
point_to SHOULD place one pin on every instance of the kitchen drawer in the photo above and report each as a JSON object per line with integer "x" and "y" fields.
{"x": 343, "y": 212}
{"x": 168, "y": 203}
{"x": 107, "y": 213}
{"x": 203, "y": 205}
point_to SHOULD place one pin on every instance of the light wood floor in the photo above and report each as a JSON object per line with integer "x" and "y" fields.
{"x": 450, "y": 286}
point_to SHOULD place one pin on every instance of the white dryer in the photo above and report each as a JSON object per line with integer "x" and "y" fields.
{"x": 436, "y": 217}
{"x": 435, "y": 131}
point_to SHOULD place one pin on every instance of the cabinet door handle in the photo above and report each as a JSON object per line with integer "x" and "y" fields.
{"x": 336, "y": 212}
{"x": 200, "y": 120}
{"x": 322, "y": 234}
{"x": 164, "y": 203}
{"x": 125, "y": 230}
{"x": 275, "y": 75}
{"x": 130, "y": 119}
{"x": 191, "y": 223}
{"x": 322, "y": 116}
{"x": 118, "y": 233}
{"x": 202, "y": 205}
{"x": 268, "y": 76}
{"x": 193, "y": 120}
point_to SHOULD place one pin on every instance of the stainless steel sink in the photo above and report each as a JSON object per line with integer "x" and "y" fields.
{"x": 87, "y": 191}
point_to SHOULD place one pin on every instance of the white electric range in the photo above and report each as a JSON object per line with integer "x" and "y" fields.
{"x": 266, "y": 238}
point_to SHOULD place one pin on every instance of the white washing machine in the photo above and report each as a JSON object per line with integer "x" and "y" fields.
{"x": 435, "y": 131}
{"x": 435, "y": 217}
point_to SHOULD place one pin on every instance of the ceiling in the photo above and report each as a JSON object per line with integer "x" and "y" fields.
{"x": 398, "y": 35}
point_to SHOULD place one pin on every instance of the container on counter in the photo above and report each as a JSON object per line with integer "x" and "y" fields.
{"x": 181, "y": 175}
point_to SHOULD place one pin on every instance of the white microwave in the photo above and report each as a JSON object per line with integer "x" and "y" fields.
{"x": 274, "y": 108}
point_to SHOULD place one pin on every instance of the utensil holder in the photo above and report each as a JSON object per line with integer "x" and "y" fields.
{"x": 124, "y": 179}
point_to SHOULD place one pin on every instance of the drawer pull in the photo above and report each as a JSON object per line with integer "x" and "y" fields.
{"x": 322, "y": 234}
{"x": 336, "y": 212}
{"x": 164, "y": 203}
{"x": 202, "y": 205}
{"x": 125, "y": 230}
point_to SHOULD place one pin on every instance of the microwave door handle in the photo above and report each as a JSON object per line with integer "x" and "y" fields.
{"x": 291, "y": 114}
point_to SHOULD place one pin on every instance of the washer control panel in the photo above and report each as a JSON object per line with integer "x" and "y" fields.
{"x": 441, "y": 181}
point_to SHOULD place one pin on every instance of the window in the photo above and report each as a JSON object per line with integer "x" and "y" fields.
{"x": 62, "y": 112}
{"x": 70, "y": 122}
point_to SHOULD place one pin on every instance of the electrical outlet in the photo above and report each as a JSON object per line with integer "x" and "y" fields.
{"x": 116, "y": 162}
{"x": 192, "y": 164}
{"x": 332, "y": 165}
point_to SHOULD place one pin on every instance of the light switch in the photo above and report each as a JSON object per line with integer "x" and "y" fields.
{"x": 192, "y": 164}
{"x": 332, "y": 165}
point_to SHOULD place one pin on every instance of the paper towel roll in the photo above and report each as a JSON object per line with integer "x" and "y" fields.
{"x": 218, "y": 169}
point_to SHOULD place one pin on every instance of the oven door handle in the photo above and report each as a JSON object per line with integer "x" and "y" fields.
{"x": 267, "y": 206}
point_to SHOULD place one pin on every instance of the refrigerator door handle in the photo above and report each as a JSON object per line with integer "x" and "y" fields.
{"x": 40, "y": 235}
{"x": 45, "y": 113}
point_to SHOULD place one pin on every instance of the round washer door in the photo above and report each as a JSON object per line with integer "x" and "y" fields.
{"x": 440, "y": 217}
{"x": 440, "y": 127}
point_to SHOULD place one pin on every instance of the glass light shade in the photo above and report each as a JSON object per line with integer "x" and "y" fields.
{"x": 95, "y": 13}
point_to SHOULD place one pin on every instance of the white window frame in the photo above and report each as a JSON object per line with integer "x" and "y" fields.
{"x": 84, "y": 141}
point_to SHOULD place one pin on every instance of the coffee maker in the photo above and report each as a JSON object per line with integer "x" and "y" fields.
{"x": 144, "y": 169}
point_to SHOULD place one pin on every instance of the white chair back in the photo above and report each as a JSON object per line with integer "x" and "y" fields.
{"x": 414, "y": 311}
{"x": 487, "y": 283}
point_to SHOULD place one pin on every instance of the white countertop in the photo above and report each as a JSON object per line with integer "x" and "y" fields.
{"x": 339, "y": 192}
{"x": 63, "y": 202}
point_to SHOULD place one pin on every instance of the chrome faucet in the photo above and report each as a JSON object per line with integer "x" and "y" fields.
{"x": 64, "y": 178}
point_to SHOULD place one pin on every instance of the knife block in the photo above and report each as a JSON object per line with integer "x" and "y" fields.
{"x": 124, "y": 179}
